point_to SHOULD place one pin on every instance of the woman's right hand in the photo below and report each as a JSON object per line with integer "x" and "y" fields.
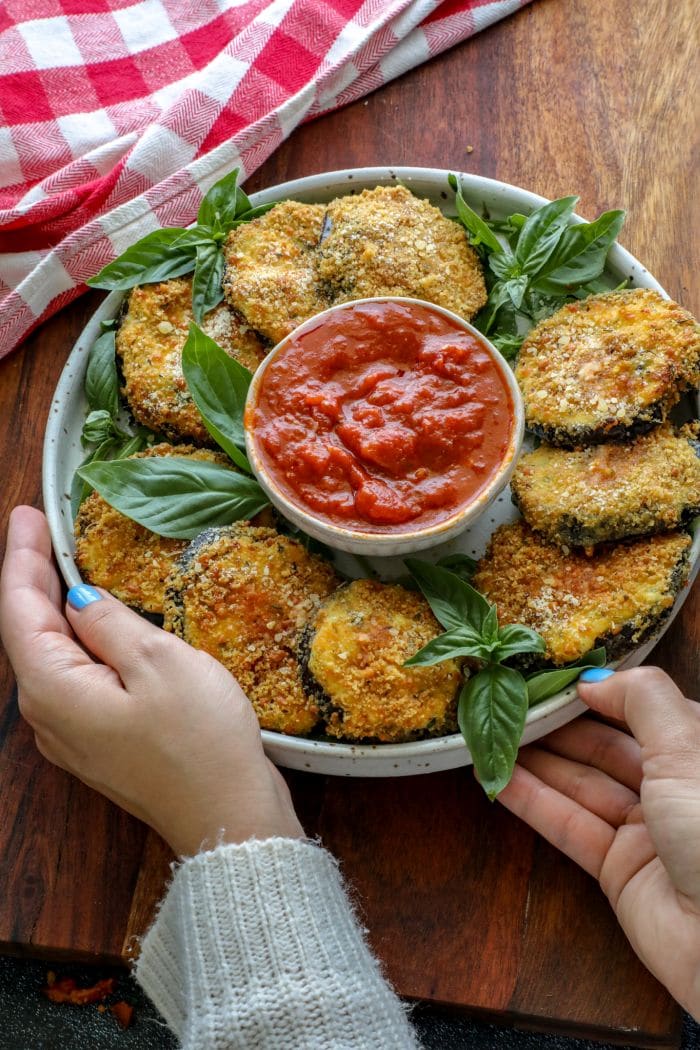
{"x": 627, "y": 809}
{"x": 161, "y": 729}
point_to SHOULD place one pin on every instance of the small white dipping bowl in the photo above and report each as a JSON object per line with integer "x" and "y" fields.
{"x": 401, "y": 540}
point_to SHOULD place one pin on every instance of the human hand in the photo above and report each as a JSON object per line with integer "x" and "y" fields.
{"x": 159, "y": 728}
{"x": 627, "y": 809}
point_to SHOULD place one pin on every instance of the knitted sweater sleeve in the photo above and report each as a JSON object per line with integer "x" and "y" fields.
{"x": 256, "y": 946}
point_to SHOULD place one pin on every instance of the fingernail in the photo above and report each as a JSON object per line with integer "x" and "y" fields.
{"x": 595, "y": 674}
{"x": 82, "y": 595}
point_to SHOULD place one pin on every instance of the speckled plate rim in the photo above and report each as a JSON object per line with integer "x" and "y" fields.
{"x": 67, "y": 411}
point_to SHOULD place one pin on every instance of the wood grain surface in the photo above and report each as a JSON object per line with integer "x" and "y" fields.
{"x": 465, "y": 906}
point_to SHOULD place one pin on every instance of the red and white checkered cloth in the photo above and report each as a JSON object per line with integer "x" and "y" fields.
{"x": 115, "y": 116}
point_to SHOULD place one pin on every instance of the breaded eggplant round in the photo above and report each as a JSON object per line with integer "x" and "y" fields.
{"x": 353, "y": 655}
{"x": 608, "y": 367}
{"x": 608, "y": 492}
{"x": 617, "y": 597}
{"x": 386, "y": 241}
{"x": 243, "y": 594}
{"x": 128, "y": 560}
{"x": 270, "y": 268}
{"x": 149, "y": 341}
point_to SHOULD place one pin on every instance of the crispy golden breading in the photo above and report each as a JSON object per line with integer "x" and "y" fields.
{"x": 243, "y": 594}
{"x": 607, "y": 492}
{"x": 385, "y": 241}
{"x": 354, "y": 654}
{"x": 270, "y": 268}
{"x": 128, "y": 560}
{"x": 299, "y": 259}
{"x": 149, "y": 343}
{"x": 617, "y": 597}
{"x": 607, "y": 367}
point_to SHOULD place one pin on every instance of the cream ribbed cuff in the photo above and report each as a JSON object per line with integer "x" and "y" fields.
{"x": 256, "y": 946}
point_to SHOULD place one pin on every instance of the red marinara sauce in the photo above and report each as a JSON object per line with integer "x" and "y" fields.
{"x": 382, "y": 417}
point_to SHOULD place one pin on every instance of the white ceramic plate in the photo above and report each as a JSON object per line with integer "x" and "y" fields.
{"x": 63, "y": 453}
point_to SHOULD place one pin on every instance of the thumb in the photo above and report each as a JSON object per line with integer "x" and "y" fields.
{"x": 121, "y": 638}
{"x": 663, "y": 722}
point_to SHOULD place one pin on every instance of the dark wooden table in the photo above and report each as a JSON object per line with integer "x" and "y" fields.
{"x": 465, "y": 906}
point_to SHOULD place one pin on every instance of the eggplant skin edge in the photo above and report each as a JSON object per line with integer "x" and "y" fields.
{"x": 630, "y": 636}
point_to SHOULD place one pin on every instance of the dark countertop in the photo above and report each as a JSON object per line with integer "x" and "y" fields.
{"x": 28, "y": 1021}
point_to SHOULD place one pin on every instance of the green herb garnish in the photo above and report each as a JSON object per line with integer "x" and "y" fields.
{"x": 493, "y": 702}
{"x": 102, "y": 427}
{"x": 543, "y": 684}
{"x": 537, "y": 264}
{"x": 175, "y": 251}
{"x": 219, "y": 387}
{"x": 171, "y": 496}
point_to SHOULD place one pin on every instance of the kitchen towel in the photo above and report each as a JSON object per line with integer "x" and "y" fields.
{"x": 116, "y": 117}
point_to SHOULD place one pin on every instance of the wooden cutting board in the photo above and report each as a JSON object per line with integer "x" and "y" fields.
{"x": 465, "y": 906}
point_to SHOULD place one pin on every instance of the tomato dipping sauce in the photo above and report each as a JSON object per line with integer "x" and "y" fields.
{"x": 382, "y": 417}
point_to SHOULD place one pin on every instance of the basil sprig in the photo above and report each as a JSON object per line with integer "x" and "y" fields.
{"x": 102, "y": 428}
{"x": 543, "y": 684}
{"x": 493, "y": 702}
{"x": 175, "y": 251}
{"x": 538, "y": 263}
{"x": 172, "y": 496}
{"x": 219, "y": 387}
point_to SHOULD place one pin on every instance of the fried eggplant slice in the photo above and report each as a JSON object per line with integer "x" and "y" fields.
{"x": 608, "y": 492}
{"x": 270, "y": 268}
{"x": 149, "y": 345}
{"x": 608, "y": 367}
{"x": 386, "y": 241}
{"x": 128, "y": 560}
{"x": 617, "y": 597}
{"x": 243, "y": 594}
{"x": 353, "y": 655}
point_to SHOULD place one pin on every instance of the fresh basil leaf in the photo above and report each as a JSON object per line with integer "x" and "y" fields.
{"x": 175, "y": 497}
{"x": 219, "y": 387}
{"x": 478, "y": 229}
{"x": 208, "y": 276}
{"x": 156, "y": 257}
{"x": 98, "y": 427}
{"x": 515, "y": 638}
{"x": 542, "y": 232}
{"x": 80, "y": 489}
{"x": 503, "y": 265}
{"x": 498, "y": 297}
{"x": 453, "y": 601}
{"x": 101, "y": 380}
{"x": 516, "y": 288}
{"x": 218, "y": 207}
{"x": 545, "y": 684}
{"x": 491, "y": 715}
{"x": 140, "y": 440}
{"x": 489, "y": 628}
{"x": 461, "y": 564}
{"x": 243, "y": 204}
{"x": 581, "y": 253}
{"x": 196, "y": 236}
{"x": 459, "y": 642}
{"x": 254, "y": 213}
{"x": 508, "y": 345}
{"x": 109, "y": 325}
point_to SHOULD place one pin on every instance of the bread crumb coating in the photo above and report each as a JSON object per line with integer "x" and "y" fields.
{"x": 149, "y": 342}
{"x": 616, "y": 597}
{"x": 355, "y": 653}
{"x": 607, "y": 367}
{"x": 243, "y": 594}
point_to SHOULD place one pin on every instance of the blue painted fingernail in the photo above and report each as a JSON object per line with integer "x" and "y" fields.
{"x": 82, "y": 595}
{"x": 595, "y": 674}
